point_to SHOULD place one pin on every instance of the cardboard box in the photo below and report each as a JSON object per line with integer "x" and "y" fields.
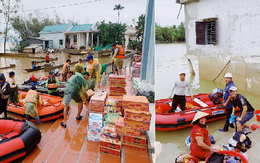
{"x": 116, "y": 94}
{"x": 117, "y": 84}
{"x": 90, "y": 93}
{"x": 135, "y": 102}
{"x": 141, "y": 140}
{"x": 95, "y": 124}
{"x": 137, "y": 124}
{"x": 95, "y": 120}
{"x": 141, "y": 116}
{"x": 121, "y": 128}
{"x": 110, "y": 143}
{"x": 119, "y": 89}
{"x": 109, "y": 130}
{"x": 93, "y": 134}
{"x": 99, "y": 109}
{"x": 97, "y": 102}
{"x": 118, "y": 78}
{"x": 134, "y": 146}
{"x": 99, "y": 96}
{"x": 109, "y": 151}
{"x": 119, "y": 100}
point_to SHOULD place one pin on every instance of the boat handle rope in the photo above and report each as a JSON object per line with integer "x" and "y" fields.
{"x": 6, "y": 138}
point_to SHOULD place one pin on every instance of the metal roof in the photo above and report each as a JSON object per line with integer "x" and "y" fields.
{"x": 84, "y": 27}
{"x": 55, "y": 28}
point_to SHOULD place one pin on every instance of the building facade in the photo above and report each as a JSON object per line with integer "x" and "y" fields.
{"x": 224, "y": 37}
{"x": 70, "y": 35}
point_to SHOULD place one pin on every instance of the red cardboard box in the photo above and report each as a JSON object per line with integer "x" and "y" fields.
{"x": 137, "y": 140}
{"x": 119, "y": 89}
{"x": 141, "y": 116}
{"x": 119, "y": 78}
{"x": 121, "y": 128}
{"x": 109, "y": 151}
{"x": 135, "y": 102}
{"x": 137, "y": 124}
{"x": 134, "y": 146}
{"x": 108, "y": 142}
{"x": 116, "y": 84}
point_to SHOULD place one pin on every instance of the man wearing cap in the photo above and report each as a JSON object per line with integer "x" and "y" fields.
{"x": 118, "y": 58}
{"x": 94, "y": 70}
{"x": 79, "y": 67}
{"x": 31, "y": 100}
{"x": 227, "y": 104}
{"x": 52, "y": 83}
{"x": 66, "y": 70}
{"x": 75, "y": 88}
{"x": 179, "y": 96}
{"x": 247, "y": 110}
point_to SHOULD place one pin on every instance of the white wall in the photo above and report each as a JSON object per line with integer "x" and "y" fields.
{"x": 238, "y": 27}
{"x": 55, "y": 37}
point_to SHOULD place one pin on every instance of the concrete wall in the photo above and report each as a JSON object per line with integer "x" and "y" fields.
{"x": 55, "y": 37}
{"x": 238, "y": 40}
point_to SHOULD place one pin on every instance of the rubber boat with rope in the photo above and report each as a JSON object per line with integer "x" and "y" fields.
{"x": 46, "y": 77}
{"x": 42, "y": 89}
{"x": 17, "y": 138}
{"x": 210, "y": 103}
{"x": 52, "y": 109}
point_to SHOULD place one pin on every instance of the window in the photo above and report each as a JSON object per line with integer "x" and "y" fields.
{"x": 75, "y": 39}
{"x": 61, "y": 42}
{"x": 206, "y": 32}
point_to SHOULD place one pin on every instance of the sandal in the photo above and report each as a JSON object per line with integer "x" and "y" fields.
{"x": 63, "y": 124}
{"x": 79, "y": 118}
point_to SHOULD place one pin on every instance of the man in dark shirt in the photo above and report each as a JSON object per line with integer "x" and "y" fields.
{"x": 247, "y": 110}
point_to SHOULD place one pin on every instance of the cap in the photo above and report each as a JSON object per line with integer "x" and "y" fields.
{"x": 89, "y": 57}
{"x": 50, "y": 72}
{"x": 199, "y": 115}
{"x": 114, "y": 44}
{"x": 85, "y": 73}
{"x": 117, "y": 43}
{"x": 182, "y": 72}
{"x": 228, "y": 75}
{"x": 68, "y": 60}
{"x": 233, "y": 88}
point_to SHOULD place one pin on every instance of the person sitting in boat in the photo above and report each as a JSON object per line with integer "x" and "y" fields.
{"x": 33, "y": 80}
{"x": 34, "y": 67}
{"x": 31, "y": 100}
{"x": 4, "y": 94}
{"x": 66, "y": 70}
{"x": 52, "y": 83}
{"x": 179, "y": 96}
{"x": 227, "y": 101}
{"x": 200, "y": 146}
{"x": 247, "y": 110}
{"x": 75, "y": 87}
{"x": 13, "y": 97}
{"x": 79, "y": 67}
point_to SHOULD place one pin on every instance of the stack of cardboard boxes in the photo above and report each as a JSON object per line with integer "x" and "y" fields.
{"x": 136, "y": 70}
{"x": 95, "y": 124}
{"x": 117, "y": 85}
{"x": 135, "y": 122}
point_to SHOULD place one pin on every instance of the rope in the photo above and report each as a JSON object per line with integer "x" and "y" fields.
{"x": 222, "y": 70}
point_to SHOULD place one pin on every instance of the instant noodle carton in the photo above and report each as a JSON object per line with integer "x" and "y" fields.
{"x": 135, "y": 103}
{"x": 121, "y": 128}
{"x": 117, "y": 84}
{"x": 109, "y": 151}
{"x": 141, "y": 140}
{"x": 109, "y": 142}
{"x": 97, "y": 102}
{"x": 141, "y": 116}
{"x": 137, "y": 124}
{"x": 134, "y": 145}
{"x": 116, "y": 78}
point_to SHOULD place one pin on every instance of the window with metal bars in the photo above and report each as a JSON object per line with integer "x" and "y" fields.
{"x": 206, "y": 32}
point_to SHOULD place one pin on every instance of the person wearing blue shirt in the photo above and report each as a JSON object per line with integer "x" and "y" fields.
{"x": 34, "y": 65}
{"x": 227, "y": 101}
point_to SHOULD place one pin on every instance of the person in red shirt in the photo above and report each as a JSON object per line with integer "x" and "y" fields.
{"x": 47, "y": 58}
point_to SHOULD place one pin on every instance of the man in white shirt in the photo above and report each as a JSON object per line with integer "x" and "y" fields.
{"x": 179, "y": 95}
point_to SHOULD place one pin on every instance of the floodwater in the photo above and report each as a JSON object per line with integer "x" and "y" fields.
{"x": 170, "y": 60}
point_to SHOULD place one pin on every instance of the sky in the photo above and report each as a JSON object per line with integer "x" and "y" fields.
{"x": 166, "y": 12}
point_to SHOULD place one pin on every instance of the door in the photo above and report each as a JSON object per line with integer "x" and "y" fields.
{"x": 50, "y": 44}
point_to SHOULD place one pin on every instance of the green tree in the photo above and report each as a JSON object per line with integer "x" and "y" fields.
{"x": 140, "y": 27}
{"x": 111, "y": 32}
{"x": 9, "y": 8}
{"x": 118, "y": 7}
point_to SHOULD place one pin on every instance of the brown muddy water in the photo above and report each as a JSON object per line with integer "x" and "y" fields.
{"x": 170, "y": 60}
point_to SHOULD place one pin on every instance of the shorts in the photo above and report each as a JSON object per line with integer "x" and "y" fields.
{"x": 71, "y": 95}
{"x": 47, "y": 61}
{"x": 247, "y": 117}
{"x": 119, "y": 63}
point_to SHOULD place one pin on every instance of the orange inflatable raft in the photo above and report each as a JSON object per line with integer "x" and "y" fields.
{"x": 51, "y": 109}
{"x": 17, "y": 139}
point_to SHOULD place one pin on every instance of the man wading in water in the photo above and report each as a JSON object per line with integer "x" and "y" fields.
{"x": 179, "y": 96}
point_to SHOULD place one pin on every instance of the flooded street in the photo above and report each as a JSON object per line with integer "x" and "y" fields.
{"x": 170, "y": 60}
